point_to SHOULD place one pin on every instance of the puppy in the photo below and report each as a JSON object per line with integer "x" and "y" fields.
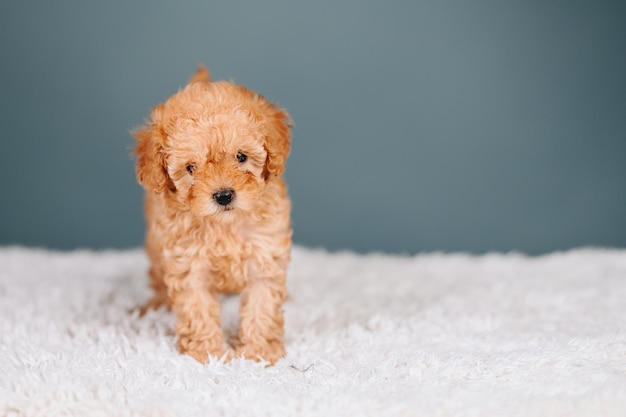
{"x": 210, "y": 159}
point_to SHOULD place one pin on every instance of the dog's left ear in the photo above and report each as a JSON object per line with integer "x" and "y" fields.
{"x": 277, "y": 142}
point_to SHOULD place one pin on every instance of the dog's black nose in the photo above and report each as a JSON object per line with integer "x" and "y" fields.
{"x": 224, "y": 197}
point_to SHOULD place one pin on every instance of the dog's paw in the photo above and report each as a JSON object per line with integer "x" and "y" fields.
{"x": 270, "y": 352}
{"x": 203, "y": 350}
{"x": 203, "y": 356}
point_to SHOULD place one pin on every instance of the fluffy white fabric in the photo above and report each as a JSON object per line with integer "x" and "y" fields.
{"x": 431, "y": 335}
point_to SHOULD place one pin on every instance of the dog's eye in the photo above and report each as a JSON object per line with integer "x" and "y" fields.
{"x": 190, "y": 168}
{"x": 241, "y": 157}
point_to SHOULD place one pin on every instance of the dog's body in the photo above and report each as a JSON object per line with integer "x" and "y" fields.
{"x": 217, "y": 214}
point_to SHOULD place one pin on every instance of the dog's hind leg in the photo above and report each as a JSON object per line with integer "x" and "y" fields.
{"x": 159, "y": 298}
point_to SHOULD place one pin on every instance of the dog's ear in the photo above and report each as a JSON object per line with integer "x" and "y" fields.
{"x": 151, "y": 164}
{"x": 277, "y": 142}
{"x": 202, "y": 75}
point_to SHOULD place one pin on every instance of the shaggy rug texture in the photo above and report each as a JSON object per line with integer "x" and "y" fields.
{"x": 430, "y": 335}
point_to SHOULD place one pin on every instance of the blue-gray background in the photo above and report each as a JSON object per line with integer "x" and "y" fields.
{"x": 420, "y": 125}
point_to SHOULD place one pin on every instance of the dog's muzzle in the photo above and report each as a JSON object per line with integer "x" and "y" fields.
{"x": 224, "y": 197}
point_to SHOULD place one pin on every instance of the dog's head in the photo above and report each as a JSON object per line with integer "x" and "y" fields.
{"x": 213, "y": 146}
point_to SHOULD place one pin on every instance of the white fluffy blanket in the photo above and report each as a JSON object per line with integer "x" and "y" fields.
{"x": 431, "y": 335}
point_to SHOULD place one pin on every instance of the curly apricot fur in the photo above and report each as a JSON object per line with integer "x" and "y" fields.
{"x": 199, "y": 248}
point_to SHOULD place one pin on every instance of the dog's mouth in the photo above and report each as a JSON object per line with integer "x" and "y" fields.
{"x": 224, "y": 214}
{"x": 221, "y": 210}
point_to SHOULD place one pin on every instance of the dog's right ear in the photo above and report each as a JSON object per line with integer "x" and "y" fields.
{"x": 151, "y": 164}
{"x": 202, "y": 75}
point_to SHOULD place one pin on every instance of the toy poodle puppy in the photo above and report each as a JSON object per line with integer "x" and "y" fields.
{"x": 217, "y": 212}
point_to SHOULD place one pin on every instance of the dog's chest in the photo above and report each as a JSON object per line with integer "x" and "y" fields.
{"x": 228, "y": 254}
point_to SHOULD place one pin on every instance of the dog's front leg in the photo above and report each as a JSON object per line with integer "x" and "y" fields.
{"x": 197, "y": 311}
{"x": 261, "y": 318}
